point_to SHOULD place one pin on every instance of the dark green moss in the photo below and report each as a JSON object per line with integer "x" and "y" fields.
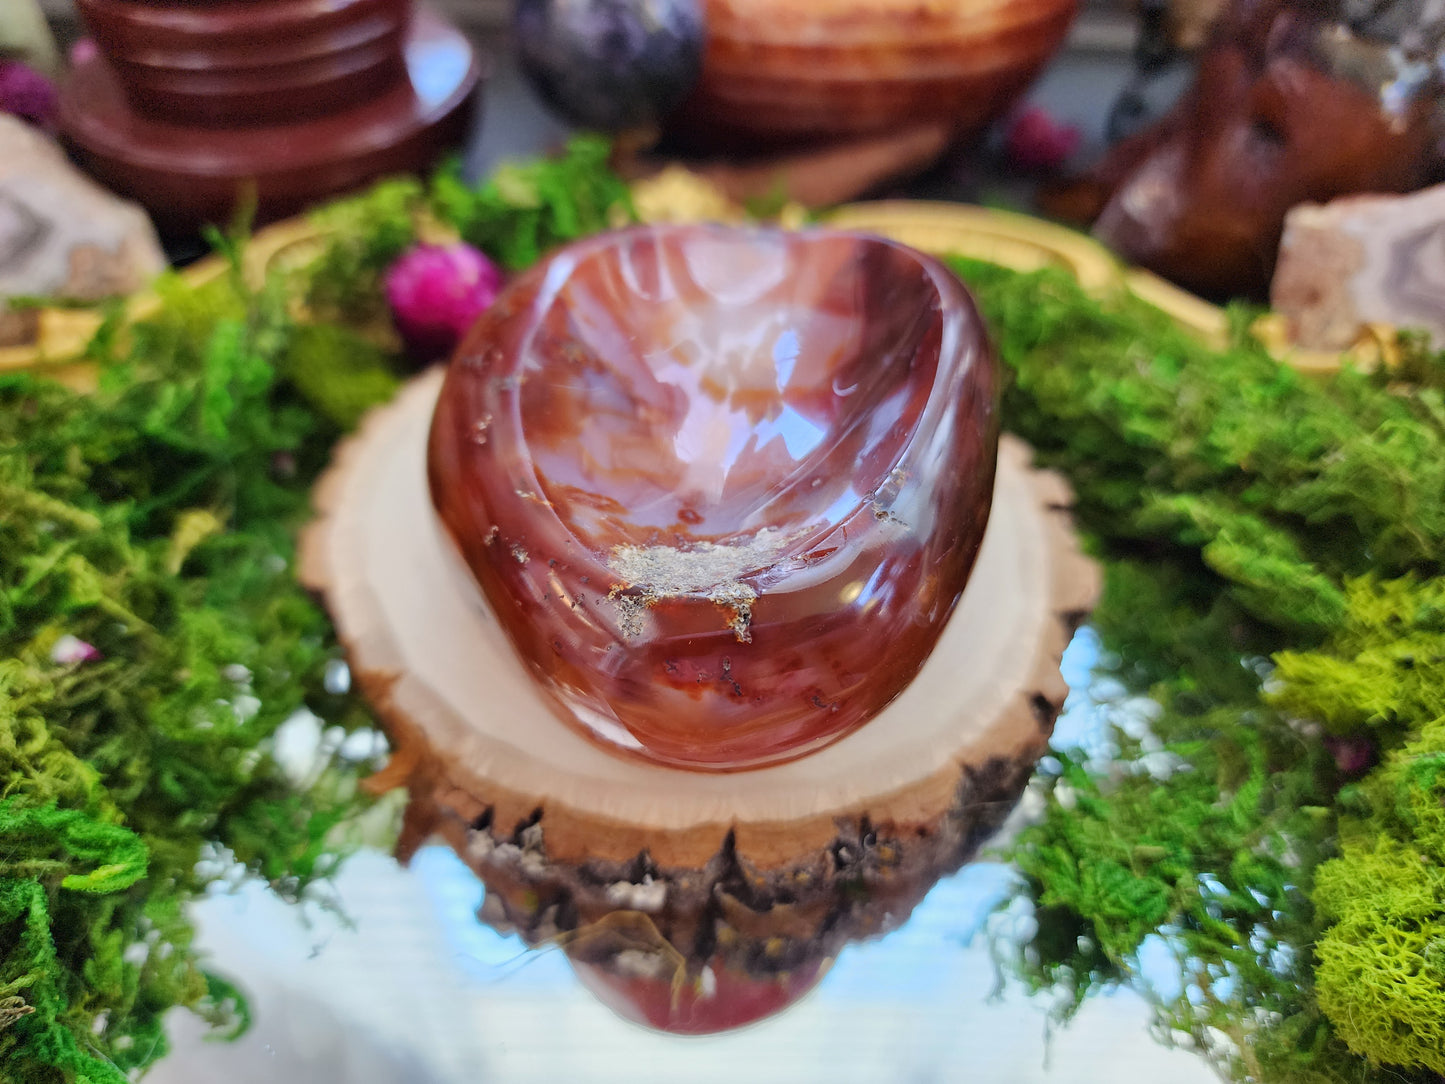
{"x": 1242, "y": 512}
{"x": 1236, "y": 504}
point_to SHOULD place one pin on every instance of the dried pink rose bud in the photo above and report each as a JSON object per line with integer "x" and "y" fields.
{"x": 1036, "y": 141}
{"x": 72, "y": 650}
{"x": 1353, "y": 756}
{"x": 83, "y": 52}
{"x": 436, "y": 292}
{"x": 27, "y": 94}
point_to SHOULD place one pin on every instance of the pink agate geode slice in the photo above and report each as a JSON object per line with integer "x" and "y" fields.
{"x": 721, "y": 487}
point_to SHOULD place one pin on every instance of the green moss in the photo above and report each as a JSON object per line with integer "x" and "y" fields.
{"x": 1381, "y": 952}
{"x": 338, "y": 372}
{"x": 1282, "y": 484}
{"x": 1381, "y": 904}
{"x": 1381, "y": 669}
{"x": 1242, "y": 512}
{"x": 526, "y": 208}
{"x": 1381, "y": 975}
{"x": 523, "y": 210}
{"x": 154, "y": 521}
{"x": 365, "y": 233}
{"x": 1237, "y": 506}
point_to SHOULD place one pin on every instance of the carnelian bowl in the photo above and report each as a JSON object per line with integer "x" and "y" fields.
{"x": 785, "y": 71}
{"x": 721, "y": 488}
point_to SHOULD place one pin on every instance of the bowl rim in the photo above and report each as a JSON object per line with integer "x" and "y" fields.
{"x": 964, "y": 344}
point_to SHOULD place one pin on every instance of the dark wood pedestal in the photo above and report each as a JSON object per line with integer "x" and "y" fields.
{"x": 191, "y": 109}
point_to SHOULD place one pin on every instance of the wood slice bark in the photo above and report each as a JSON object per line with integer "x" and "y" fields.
{"x": 567, "y": 835}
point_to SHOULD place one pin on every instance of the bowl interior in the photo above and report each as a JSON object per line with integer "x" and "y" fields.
{"x": 695, "y": 384}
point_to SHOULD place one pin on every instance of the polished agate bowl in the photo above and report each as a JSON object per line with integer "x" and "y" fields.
{"x": 722, "y": 488}
{"x": 781, "y": 71}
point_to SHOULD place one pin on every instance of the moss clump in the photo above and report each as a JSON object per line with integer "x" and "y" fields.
{"x": 526, "y": 208}
{"x": 153, "y": 523}
{"x": 515, "y": 216}
{"x": 1381, "y": 971}
{"x": 340, "y": 374}
{"x": 1381, "y": 904}
{"x": 1237, "y": 506}
{"x": 1381, "y": 669}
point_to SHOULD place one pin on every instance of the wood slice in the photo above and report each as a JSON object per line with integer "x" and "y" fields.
{"x": 490, "y": 765}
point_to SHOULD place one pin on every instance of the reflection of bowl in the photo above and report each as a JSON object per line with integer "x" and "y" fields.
{"x": 718, "y": 998}
{"x": 702, "y": 950}
{"x": 787, "y": 70}
{"x": 722, "y": 488}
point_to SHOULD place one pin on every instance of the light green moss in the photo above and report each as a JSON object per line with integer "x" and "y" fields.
{"x": 1381, "y": 970}
{"x": 1238, "y": 507}
{"x": 1381, "y": 669}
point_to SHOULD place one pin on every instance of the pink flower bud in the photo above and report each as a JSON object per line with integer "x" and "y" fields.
{"x": 1036, "y": 141}
{"x": 436, "y": 292}
{"x": 1353, "y": 756}
{"x": 71, "y": 651}
{"x": 83, "y": 52}
{"x": 27, "y": 94}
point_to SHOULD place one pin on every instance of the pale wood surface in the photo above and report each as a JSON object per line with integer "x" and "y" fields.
{"x": 470, "y": 721}
{"x": 822, "y": 176}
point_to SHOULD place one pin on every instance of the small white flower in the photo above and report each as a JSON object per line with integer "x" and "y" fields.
{"x": 336, "y": 679}
{"x": 72, "y": 650}
{"x": 296, "y": 747}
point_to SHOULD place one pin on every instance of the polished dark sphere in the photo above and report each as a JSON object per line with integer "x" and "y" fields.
{"x": 611, "y": 64}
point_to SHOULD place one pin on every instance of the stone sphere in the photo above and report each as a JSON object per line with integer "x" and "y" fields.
{"x": 611, "y": 64}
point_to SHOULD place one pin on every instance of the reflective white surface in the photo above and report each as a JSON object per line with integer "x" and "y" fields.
{"x": 418, "y": 992}
{"x": 412, "y": 989}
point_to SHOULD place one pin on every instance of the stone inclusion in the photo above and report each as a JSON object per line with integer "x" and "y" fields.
{"x": 722, "y": 488}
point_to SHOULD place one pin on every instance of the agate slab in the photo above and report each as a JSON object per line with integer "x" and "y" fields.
{"x": 1357, "y": 260}
{"x": 721, "y": 488}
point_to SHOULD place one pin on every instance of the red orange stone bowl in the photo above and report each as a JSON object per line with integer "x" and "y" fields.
{"x": 728, "y": 1000}
{"x": 780, "y": 71}
{"x": 722, "y": 488}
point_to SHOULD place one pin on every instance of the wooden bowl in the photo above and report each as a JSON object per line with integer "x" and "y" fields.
{"x": 782, "y": 71}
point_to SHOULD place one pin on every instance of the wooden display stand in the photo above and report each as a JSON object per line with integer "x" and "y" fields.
{"x": 192, "y": 109}
{"x": 543, "y": 813}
